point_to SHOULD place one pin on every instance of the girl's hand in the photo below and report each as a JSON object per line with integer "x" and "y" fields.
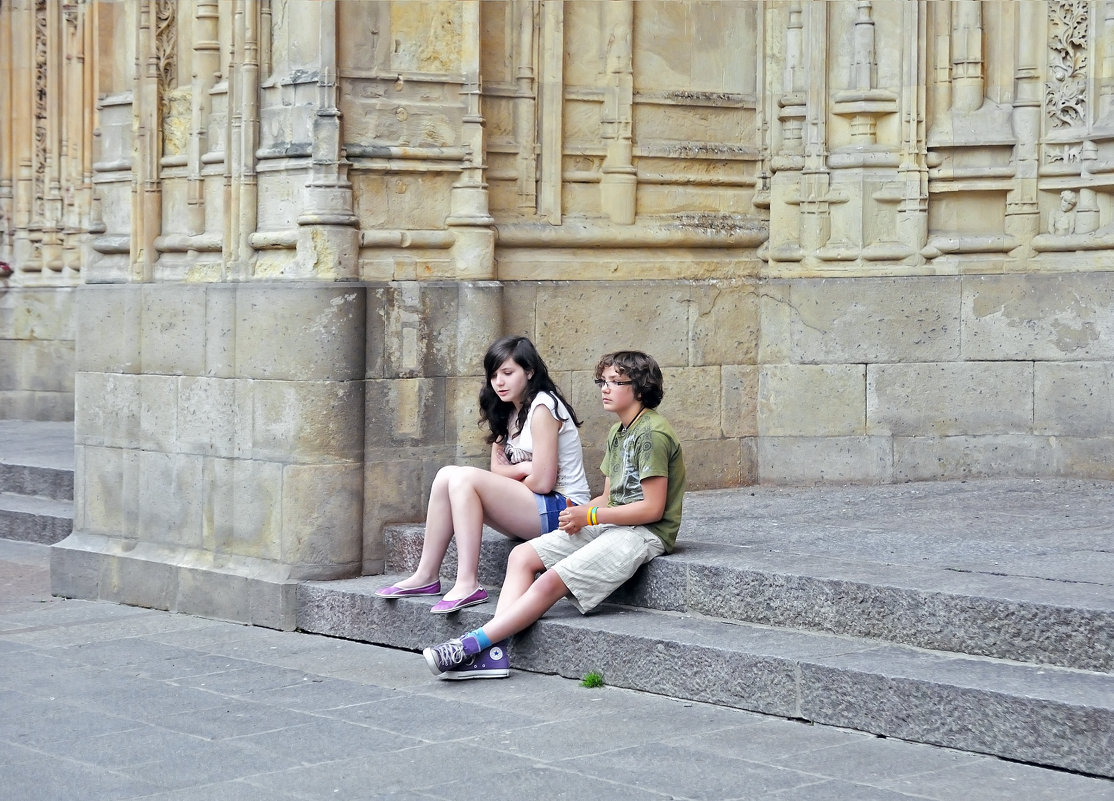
{"x": 501, "y": 465}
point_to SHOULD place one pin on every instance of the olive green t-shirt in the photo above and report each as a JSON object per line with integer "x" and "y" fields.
{"x": 646, "y": 449}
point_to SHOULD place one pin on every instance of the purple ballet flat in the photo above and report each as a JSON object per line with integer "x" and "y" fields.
{"x": 402, "y": 592}
{"x": 444, "y": 607}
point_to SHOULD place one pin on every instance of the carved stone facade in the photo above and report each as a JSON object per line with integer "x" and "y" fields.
{"x": 868, "y": 242}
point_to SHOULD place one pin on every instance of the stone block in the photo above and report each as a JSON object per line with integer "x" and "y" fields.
{"x": 110, "y": 484}
{"x": 811, "y": 400}
{"x": 1044, "y": 317}
{"x": 108, "y": 307}
{"x": 808, "y": 460}
{"x": 1073, "y": 398}
{"x": 394, "y": 491}
{"x": 9, "y": 364}
{"x": 273, "y": 604}
{"x": 949, "y": 398}
{"x": 739, "y": 400}
{"x": 46, "y": 366}
{"x": 158, "y": 412}
{"x": 375, "y": 331}
{"x": 889, "y": 690}
{"x": 479, "y": 306}
{"x": 170, "y": 490}
{"x": 1085, "y": 457}
{"x": 868, "y": 320}
{"x": 37, "y": 313}
{"x": 585, "y": 319}
{"x": 107, "y": 409}
{"x": 405, "y": 411}
{"x": 242, "y": 507}
{"x": 214, "y": 416}
{"x": 296, "y": 332}
{"x": 307, "y": 421}
{"x": 462, "y": 415}
{"x": 171, "y": 335}
{"x": 75, "y": 571}
{"x": 726, "y": 321}
{"x": 322, "y": 513}
{"x": 692, "y": 402}
{"x": 138, "y": 578}
{"x": 775, "y": 336}
{"x": 206, "y": 592}
{"x": 934, "y": 458}
{"x": 220, "y": 330}
{"x": 79, "y": 521}
{"x": 520, "y": 313}
{"x": 717, "y": 463}
{"x": 411, "y": 334}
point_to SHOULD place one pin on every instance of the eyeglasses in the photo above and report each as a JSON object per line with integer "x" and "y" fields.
{"x": 601, "y": 383}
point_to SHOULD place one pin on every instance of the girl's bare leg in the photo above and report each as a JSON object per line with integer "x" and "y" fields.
{"x": 438, "y": 532}
{"x": 476, "y": 496}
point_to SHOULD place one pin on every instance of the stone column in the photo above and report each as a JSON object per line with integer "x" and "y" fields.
{"x": 551, "y": 101}
{"x": 24, "y": 257}
{"x": 1022, "y": 209}
{"x": 618, "y": 182}
{"x": 470, "y": 219}
{"x": 328, "y": 240}
{"x": 6, "y": 154}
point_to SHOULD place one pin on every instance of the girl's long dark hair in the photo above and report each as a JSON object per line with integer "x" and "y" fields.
{"x": 496, "y": 412}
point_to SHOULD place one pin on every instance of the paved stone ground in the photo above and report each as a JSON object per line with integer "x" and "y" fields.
{"x": 99, "y": 701}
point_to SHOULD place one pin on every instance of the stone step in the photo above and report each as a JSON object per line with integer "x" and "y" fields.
{"x": 30, "y": 518}
{"x": 38, "y": 480}
{"x": 1066, "y": 624}
{"x": 1043, "y": 715}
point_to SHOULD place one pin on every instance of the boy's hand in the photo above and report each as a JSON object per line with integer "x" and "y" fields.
{"x": 572, "y": 519}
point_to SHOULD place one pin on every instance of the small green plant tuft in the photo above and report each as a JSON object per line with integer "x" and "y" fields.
{"x": 592, "y": 679}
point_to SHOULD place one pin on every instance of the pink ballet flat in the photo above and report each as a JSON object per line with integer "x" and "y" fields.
{"x": 444, "y": 607}
{"x": 406, "y": 592}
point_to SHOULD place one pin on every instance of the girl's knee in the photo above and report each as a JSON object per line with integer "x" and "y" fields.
{"x": 461, "y": 477}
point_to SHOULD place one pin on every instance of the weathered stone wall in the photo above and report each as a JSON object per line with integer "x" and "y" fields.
{"x": 36, "y": 353}
{"x": 867, "y": 241}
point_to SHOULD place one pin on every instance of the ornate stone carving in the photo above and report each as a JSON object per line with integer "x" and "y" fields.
{"x": 40, "y": 105}
{"x": 166, "y": 48}
{"x": 1066, "y": 91}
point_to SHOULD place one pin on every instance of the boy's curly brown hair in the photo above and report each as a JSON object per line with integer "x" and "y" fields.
{"x": 641, "y": 369}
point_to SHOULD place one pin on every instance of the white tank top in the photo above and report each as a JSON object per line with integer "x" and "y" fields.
{"x": 572, "y": 482}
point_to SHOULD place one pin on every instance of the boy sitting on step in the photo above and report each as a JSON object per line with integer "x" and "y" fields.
{"x": 597, "y": 546}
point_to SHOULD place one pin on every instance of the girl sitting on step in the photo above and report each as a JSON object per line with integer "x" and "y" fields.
{"x": 537, "y": 468}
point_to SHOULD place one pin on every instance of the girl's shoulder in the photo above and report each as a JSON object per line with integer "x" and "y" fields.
{"x": 546, "y": 399}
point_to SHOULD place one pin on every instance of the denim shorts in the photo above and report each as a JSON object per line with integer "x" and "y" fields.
{"x": 549, "y": 506}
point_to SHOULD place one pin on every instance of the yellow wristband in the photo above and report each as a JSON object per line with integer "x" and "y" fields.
{"x": 593, "y": 515}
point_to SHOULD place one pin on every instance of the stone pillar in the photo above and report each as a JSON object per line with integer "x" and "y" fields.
{"x": 469, "y": 218}
{"x": 219, "y": 440}
{"x": 328, "y": 239}
{"x": 618, "y": 182}
{"x": 7, "y": 102}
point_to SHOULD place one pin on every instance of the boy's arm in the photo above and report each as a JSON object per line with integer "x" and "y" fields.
{"x": 640, "y": 513}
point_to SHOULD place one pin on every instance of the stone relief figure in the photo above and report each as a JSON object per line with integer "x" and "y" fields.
{"x": 1062, "y": 220}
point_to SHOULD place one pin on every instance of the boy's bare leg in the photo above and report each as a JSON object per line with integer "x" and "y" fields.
{"x": 522, "y": 566}
{"x": 513, "y": 616}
